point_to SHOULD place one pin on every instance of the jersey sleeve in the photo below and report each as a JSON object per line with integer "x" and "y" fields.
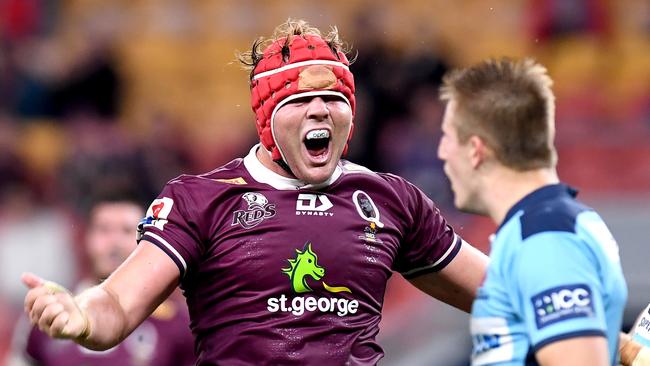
{"x": 429, "y": 243}
{"x": 557, "y": 289}
{"x": 171, "y": 224}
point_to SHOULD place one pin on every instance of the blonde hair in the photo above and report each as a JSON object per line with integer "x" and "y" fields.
{"x": 292, "y": 27}
{"x": 510, "y": 105}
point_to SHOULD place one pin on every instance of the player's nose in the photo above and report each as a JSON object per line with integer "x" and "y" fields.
{"x": 317, "y": 109}
{"x": 442, "y": 154}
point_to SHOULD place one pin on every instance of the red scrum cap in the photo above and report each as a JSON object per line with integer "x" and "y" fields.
{"x": 310, "y": 68}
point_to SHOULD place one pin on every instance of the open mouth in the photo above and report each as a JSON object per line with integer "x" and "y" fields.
{"x": 317, "y": 142}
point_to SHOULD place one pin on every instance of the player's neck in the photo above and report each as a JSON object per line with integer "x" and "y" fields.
{"x": 264, "y": 156}
{"x": 507, "y": 187}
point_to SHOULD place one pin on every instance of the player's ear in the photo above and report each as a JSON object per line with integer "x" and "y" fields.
{"x": 478, "y": 151}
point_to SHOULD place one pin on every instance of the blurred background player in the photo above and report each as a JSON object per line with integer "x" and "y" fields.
{"x": 163, "y": 339}
{"x": 554, "y": 291}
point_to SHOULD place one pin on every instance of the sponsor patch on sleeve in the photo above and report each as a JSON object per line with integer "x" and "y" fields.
{"x": 562, "y": 303}
{"x": 158, "y": 212}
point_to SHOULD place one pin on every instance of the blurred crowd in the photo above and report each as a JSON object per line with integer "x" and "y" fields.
{"x": 99, "y": 95}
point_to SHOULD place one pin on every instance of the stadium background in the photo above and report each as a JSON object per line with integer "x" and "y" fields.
{"x": 98, "y": 95}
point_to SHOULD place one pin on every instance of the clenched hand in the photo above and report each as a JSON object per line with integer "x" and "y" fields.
{"x": 53, "y": 309}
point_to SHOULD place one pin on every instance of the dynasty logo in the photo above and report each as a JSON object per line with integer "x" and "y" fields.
{"x": 303, "y": 266}
{"x": 258, "y": 210}
{"x": 313, "y": 205}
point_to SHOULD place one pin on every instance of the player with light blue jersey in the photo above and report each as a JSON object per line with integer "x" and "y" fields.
{"x": 554, "y": 274}
{"x": 554, "y": 290}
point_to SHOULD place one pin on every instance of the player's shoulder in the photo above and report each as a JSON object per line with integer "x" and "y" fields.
{"x": 197, "y": 190}
{"x": 355, "y": 171}
{"x": 232, "y": 173}
{"x": 557, "y": 215}
{"x": 390, "y": 186}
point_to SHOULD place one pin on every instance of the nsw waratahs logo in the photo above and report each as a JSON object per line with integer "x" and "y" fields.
{"x": 259, "y": 209}
{"x": 303, "y": 268}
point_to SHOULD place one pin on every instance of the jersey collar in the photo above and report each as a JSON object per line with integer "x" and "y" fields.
{"x": 265, "y": 175}
{"x": 539, "y": 195}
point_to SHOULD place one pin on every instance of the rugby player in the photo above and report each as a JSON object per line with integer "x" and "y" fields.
{"x": 284, "y": 254}
{"x": 554, "y": 291}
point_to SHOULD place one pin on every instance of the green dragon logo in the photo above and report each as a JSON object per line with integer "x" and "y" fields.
{"x": 306, "y": 264}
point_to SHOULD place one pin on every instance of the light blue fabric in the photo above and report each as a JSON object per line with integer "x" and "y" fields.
{"x": 554, "y": 274}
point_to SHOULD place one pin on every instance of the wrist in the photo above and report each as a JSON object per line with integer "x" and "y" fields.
{"x": 85, "y": 332}
{"x": 642, "y": 358}
{"x": 629, "y": 349}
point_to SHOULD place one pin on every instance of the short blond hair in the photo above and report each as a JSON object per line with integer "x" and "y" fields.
{"x": 510, "y": 105}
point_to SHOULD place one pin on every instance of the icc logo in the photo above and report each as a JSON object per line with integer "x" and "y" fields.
{"x": 560, "y": 303}
{"x": 562, "y": 299}
{"x": 258, "y": 210}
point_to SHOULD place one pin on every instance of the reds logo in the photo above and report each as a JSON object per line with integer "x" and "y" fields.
{"x": 258, "y": 210}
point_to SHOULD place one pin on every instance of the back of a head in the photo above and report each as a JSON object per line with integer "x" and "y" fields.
{"x": 510, "y": 105}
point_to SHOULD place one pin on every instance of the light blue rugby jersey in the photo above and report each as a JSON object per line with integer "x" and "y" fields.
{"x": 554, "y": 274}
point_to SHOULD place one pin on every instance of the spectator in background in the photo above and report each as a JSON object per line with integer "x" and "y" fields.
{"x": 388, "y": 79}
{"x": 559, "y": 18}
{"x": 163, "y": 339}
{"x": 100, "y": 159}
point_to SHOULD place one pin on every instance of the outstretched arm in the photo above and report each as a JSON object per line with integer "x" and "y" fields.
{"x": 457, "y": 283}
{"x": 102, "y": 316}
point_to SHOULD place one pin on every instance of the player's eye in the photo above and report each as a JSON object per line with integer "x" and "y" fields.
{"x": 309, "y": 260}
{"x": 332, "y": 98}
{"x": 299, "y": 101}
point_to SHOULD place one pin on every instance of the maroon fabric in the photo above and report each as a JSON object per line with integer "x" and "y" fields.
{"x": 244, "y": 244}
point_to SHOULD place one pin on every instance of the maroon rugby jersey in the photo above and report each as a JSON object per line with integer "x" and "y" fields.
{"x": 163, "y": 339}
{"x": 276, "y": 272}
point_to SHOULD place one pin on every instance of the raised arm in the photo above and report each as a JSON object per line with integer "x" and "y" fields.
{"x": 102, "y": 316}
{"x": 457, "y": 283}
